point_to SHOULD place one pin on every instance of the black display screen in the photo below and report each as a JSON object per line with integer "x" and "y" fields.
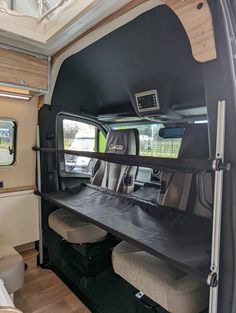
{"x": 147, "y": 102}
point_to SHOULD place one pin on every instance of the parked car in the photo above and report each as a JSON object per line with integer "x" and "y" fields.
{"x": 84, "y": 141}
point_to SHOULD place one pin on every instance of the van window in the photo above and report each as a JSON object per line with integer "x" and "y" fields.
{"x": 81, "y": 136}
{"x": 151, "y": 144}
{"x": 7, "y": 142}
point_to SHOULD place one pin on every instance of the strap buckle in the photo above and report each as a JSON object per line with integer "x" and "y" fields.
{"x": 219, "y": 165}
{"x": 128, "y": 180}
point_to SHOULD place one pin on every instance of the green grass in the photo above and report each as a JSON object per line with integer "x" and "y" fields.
{"x": 161, "y": 149}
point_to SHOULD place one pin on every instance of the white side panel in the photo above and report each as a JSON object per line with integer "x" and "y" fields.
{"x": 25, "y": 113}
{"x": 5, "y": 299}
{"x": 19, "y": 217}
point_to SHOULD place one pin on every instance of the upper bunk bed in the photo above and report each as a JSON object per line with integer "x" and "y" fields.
{"x": 181, "y": 238}
{"x": 173, "y": 234}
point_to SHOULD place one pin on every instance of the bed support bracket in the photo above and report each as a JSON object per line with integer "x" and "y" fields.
{"x": 219, "y": 165}
{"x": 212, "y": 279}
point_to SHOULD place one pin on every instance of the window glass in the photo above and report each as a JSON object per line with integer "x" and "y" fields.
{"x": 81, "y": 136}
{"x": 7, "y": 142}
{"x": 102, "y": 142}
{"x": 34, "y": 8}
{"x": 151, "y": 144}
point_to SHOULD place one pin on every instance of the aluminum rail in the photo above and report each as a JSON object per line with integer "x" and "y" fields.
{"x": 39, "y": 200}
{"x": 219, "y": 168}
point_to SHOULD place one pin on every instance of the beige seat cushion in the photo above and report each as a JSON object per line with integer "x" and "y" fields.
{"x": 71, "y": 228}
{"x": 11, "y": 266}
{"x": 6, "y": 249}
{"x": 174, "y": 290}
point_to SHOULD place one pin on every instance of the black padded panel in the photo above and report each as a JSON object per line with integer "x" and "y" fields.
{"x": 151, "y": 49}
{"x": 195, "y": 142}
{"x": 123, "y": 141}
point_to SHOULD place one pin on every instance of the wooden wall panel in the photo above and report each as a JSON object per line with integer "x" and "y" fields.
{"x": 196, "y": 18}
{"x": 21, "y": 69}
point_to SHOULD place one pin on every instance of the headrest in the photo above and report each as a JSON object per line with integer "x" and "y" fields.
{"x": 124, "y": 141}
{"x": 195, "y": 144}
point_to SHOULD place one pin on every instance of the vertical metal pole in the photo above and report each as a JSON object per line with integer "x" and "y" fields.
{"x": 39, "y": 199}
{"x": 217, "y": 213}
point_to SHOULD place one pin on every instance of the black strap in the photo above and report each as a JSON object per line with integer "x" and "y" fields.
{"x": 107, "y": 174}
{"x": 52, "y": 176}
{"x": 162, "y": 164}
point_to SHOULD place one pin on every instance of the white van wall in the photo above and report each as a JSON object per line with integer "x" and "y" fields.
{"x": 19, "y": 209}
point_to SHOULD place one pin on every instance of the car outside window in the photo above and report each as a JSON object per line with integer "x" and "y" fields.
{"x": 80, "y": 136}
{"x": 7, "y": 142}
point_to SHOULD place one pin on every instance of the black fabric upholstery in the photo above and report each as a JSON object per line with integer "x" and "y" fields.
{"x": 141, "y": 55}
{"x": 192, "y": 192}
{"x": 118, "y": 177}
{"x": 195, "y": 144}
{"x": 123, "y": 141}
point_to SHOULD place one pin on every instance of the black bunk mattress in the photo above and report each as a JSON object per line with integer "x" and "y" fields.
{"x": 178, "y": 237}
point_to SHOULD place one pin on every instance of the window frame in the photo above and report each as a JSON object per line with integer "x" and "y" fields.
{"x": 14, "y": 142}
{"x": 60, "y": 140}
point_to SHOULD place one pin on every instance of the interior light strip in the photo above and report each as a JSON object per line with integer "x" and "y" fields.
{"x": 8, "y": 95}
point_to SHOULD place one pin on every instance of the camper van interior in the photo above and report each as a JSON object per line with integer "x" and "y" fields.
{"x": 117, "y": 156}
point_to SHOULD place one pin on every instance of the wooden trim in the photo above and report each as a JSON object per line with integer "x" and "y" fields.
{"x": 15, "y": 189}
{"x": 23, "y": 70}
{"x": 25, "y": 247}
{"x": 30, "y": 259}
{"x": 195, "y": 18}
{"x": 41, "y": 101}
{"x": 29, "y": 253}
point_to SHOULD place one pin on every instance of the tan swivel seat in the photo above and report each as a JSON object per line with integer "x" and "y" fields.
{"x": 108, "y": 175}
{"x": 174, "y": 290}
{"x": 11, "y": 266}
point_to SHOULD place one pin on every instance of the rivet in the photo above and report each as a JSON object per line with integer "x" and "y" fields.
{"x": 200, "y": 5}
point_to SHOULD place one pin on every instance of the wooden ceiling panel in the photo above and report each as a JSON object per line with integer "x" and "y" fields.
{"x": 196, "y": 18}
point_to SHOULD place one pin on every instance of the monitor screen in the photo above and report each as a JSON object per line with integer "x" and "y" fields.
{"x": 147, "y": 101}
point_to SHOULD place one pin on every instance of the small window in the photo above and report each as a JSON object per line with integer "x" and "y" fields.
{"x": 81, "y": 136}
{"x": 7, "y": 142}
